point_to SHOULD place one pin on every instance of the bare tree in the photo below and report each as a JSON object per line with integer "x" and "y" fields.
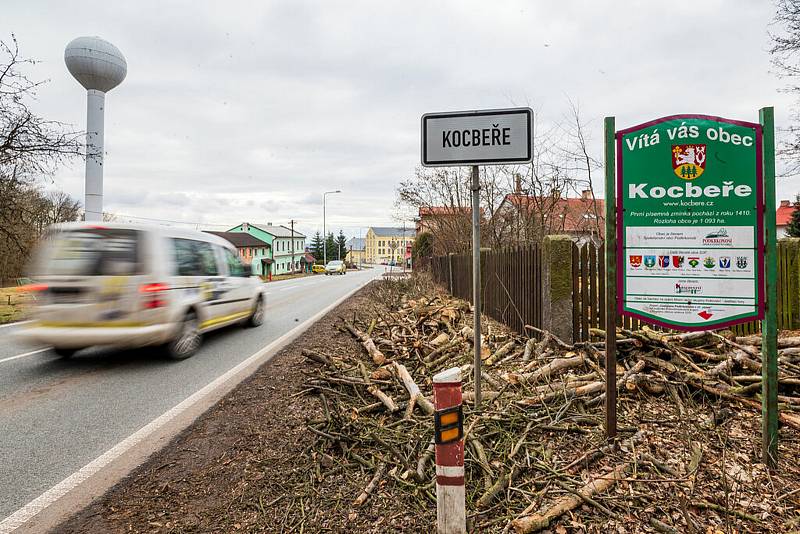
{"x": 31, "y": 148}
{"x": 785, "y": 47}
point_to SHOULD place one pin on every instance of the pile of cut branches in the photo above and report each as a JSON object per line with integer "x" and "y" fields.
{"x": 688, "y": 458}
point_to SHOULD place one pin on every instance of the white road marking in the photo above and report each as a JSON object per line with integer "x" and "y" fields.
{"x": 18, "y": 323}
{"x": 24, "y": 514}
{"x": 288, "y": 287}
{"x": 18, "y": 356}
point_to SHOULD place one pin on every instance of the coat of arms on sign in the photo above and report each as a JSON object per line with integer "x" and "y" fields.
{"x": 688, "y": 161}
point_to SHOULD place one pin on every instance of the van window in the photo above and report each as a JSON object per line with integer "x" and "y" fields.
{"x": 93, "y": 251}
{"x": 194, "y": 258}
{"x": 235, "y": 267}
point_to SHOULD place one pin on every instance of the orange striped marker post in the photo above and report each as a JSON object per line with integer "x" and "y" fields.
{"x": 451, "y": 515}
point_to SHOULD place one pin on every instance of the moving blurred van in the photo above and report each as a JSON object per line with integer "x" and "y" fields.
{"x": 129, "y": 285}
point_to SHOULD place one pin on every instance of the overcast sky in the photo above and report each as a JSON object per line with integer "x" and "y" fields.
{"x": 235, "y": 111}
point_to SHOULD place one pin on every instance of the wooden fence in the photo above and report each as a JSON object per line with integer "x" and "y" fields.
{"x": 512, "y": 287}
{"x": 511, "y": 281}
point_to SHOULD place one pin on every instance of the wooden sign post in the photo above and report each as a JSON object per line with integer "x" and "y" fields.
{"x": 610, "y": 283}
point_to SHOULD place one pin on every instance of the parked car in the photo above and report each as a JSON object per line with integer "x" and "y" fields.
{"x": 318, "y": 268}
{"x": 335, "y": 267}
{"x": 128, "y": 285}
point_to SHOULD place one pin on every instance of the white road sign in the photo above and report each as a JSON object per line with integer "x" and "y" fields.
{"x": 487, "y": 137}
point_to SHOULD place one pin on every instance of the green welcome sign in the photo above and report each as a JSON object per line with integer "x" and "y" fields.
{"x": 690, "y": 222}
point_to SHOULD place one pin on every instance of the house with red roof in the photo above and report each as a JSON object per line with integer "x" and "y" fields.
{"x": 524, "y": 218}
{"x": 783, "y": 216}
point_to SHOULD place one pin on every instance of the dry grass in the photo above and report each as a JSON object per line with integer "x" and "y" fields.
{"x": 13, "y": 304}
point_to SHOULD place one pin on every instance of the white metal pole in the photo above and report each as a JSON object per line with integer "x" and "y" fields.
{"x": 324, "y": 232}
{"x": 476, "y": 280}
{"x": 93, "y": 203}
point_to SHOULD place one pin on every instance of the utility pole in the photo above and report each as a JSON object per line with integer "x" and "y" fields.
{"x": 403, "y": 248}
{"x": 291, "y": 222}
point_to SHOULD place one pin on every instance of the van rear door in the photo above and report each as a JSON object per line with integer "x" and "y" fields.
{"x": 90, "y": 277}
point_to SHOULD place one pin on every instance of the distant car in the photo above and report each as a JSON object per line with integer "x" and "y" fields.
{"x": 318, "y": 268}
{"x": 335, "y": 267}
{"x": 128, "y": 285}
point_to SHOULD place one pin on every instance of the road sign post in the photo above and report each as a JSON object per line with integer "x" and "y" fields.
{"x": 476, "y": 281}
{"x": 473, "y": 138}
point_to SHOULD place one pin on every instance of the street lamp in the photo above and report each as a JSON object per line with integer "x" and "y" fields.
{"x": 324, "y": 228}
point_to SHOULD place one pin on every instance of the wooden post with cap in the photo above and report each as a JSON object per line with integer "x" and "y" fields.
{"x": 451, "y": 517}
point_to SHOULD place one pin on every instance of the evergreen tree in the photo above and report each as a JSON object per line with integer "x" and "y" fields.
{"x": 316, "y": 247}
{"x": 330, "y": 246}
{"x": 423, "y": 246}
{"x": 341, "y": 246}
{"x": 793, "y": 228}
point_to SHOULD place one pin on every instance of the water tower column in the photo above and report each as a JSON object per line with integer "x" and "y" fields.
{"x": 99, "y": 67}
{"x": 95, "y": 102}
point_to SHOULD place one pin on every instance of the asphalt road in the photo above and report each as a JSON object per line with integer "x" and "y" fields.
{"x": 57, "y": 415}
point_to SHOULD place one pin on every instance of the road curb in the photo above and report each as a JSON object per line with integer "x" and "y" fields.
{"x": 78, "y": 489}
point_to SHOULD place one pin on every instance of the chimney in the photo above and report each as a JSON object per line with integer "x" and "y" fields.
{"x": 586, "y": 194}
{"x": 786, "y": 203}
{"x": 518, "y": 184}
{"x": 269, "y": 224}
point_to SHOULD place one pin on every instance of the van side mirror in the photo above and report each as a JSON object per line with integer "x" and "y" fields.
{"x": 247, "y": 270}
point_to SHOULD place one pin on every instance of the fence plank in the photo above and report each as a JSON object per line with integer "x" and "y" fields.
{"x": 584, "y": 284}
{"x": 593, "y": 308}
{"x": 601, "y": 286}
{"x": 576, "y": 299}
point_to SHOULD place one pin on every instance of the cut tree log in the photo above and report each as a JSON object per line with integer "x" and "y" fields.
{"x": 387, "y": 401}
{"x": 413, "y": 389}
{"x": 369, "y": 345}
{"x": 536, "y": 522}
{"x": 501, "y": 352}
{"x": 567, "y": 393}
{"x": 362, "y": 498}
{"x": 570, "y": 361}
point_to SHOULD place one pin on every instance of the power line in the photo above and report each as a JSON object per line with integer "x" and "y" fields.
{"x": 193, "y": 223}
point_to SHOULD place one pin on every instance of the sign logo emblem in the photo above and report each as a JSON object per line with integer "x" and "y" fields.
{"x": 718, "y": 237}
{"x": 709, "y": 262}
{"x": 677, "y": 261}
{"x": 636, "y": 261}
{"x": 694, "y": 261}
{"x": 725, "y": 262}
{"x": 688, "y": 161}
{"x": 663, "y": 262}
{"x": 649, "y": 262}
{"x": 741, "y": 262}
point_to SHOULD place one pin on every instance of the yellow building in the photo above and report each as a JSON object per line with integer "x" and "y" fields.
{"x": 355, "y": 251}
{"x": 385, "y": 245}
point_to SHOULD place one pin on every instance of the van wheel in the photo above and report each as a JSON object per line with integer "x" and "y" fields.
{"x": 257, "y": 317}
{"x": 187, "y": 340}
{"x": 64, "y": 353}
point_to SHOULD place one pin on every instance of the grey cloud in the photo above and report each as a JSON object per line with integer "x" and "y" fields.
{"x": 252, "y": 109}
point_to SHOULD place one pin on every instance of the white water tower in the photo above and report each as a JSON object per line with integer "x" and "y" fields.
{"x": 99, "y": 66}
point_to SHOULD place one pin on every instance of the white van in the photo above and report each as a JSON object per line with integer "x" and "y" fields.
{"x": 129, "y": 285}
